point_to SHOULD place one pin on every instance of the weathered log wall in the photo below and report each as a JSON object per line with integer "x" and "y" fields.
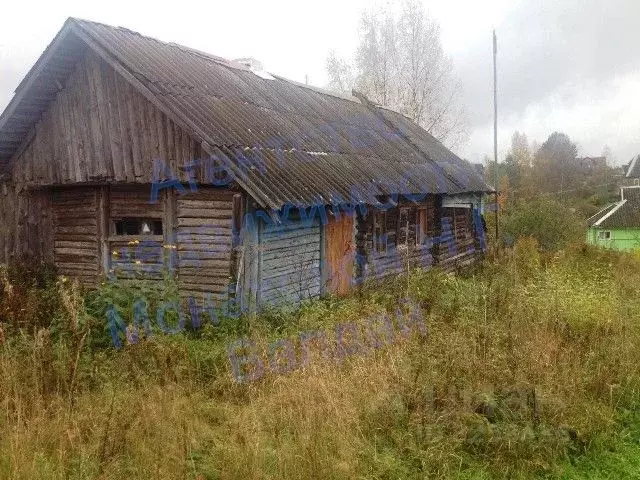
{"x": 142, "y": 256}
{"x": 195, "y": 243}
{"x": 453, "y": 226}
{"x": 459, "y": 242}
{"x": 204, "y": 227}
{"x": 25, "y": 224}
{"x": 397, "y": 258}
{"x": 99, "y": 133}
{"x": 76, "y": 233}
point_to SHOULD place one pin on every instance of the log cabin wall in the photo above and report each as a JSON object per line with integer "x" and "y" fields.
{"x": 380, "y": 233}
{"x": 459, "y": 242}
{"x": 116, "y": 231}
{"x": 25, "y": 224}
{"x": 388, "y": 242}
{"x": 135, "y": 241}
{"x": 204, "y": 235}
{"x": 76, "y": 233}
{"x": 99, "y": 129}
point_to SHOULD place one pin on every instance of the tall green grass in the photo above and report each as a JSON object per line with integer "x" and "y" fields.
{"x": 530, "y": 369}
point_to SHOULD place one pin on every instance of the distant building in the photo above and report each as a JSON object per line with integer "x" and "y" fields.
{"x": 633, "y": 170}
{"x": 617, "y": 226}
{"x": 591, "y": 163}
{"x": 479, "y": 168}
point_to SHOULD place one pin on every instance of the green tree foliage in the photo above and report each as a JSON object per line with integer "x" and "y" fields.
{"x": 551, "y": 222}
{"x": 512, "y": 170}
{"x": 555, "y": 163}
{"x": 547, "y": 192}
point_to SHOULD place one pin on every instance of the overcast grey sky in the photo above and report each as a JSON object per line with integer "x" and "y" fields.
{"x": 569, "y": 65}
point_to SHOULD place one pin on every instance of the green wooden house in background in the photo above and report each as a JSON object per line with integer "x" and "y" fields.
{"x": 617, "y": 226}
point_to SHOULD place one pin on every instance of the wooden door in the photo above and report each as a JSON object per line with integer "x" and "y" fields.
{"x": 340, "y": 252}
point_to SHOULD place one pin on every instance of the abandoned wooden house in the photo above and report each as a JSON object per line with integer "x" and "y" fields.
{"x": 107, "y": 118}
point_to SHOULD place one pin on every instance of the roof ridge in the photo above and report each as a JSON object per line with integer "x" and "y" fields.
{"x": 184, "y": 48}
{"x": 220, "y": 60}
{"x": 632, "y": 166}
{"x": 609, "y": 213}
{"x": 601, "y": 211}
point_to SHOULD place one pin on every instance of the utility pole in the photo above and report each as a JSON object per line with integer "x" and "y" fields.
{"x": 495, "y": 124}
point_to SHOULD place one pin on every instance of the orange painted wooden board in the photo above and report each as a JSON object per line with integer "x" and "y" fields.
{"x": 340, "y": 251}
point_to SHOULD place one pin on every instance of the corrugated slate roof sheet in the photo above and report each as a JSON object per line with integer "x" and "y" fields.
{"x": 634, "y": 168}
{"x": 624, "y": 214}
{"x": 314, "y": 146}
{"x": 598, "y": 216}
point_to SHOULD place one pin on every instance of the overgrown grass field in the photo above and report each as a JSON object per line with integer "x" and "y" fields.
{"x": 530, "y": 369}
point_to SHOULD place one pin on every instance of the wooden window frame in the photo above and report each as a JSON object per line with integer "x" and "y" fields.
{"x": 421, "y": 227}
{"x": 402, "y": 235}
{"x": 115, "y": 235}
{"x": 380, "y": 237}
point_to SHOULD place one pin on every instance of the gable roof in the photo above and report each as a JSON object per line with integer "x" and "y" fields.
{"x": 314, "y": 146}
{"x": 623, "y": 214}
{"x": 634, "y": 168}
{"x": 601, "y": 213}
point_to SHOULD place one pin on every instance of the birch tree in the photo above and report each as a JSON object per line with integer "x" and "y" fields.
{"x": 400, "y": 63}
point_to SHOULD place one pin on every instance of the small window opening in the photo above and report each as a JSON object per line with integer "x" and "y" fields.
{"x": 138, "y": 226}
{"x": 403, "y": 227}
{"x": 604, "y": 235}
{"x": 379, "y": 232}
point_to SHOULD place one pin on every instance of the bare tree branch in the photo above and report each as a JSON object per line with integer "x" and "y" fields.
{"x": 400, "y": 63}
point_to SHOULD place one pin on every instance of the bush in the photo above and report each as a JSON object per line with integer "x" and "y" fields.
{"x": 552, "y": 223}
{"x": 29, "y": 297}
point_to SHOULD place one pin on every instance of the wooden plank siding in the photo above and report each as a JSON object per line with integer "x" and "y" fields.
{"x": 26, "y": 231}
{"x": 289, "y": 265}
{"x": 460, "y": 242}
{"x": 99, "y": 139}
{"x": 100, "y": 130}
